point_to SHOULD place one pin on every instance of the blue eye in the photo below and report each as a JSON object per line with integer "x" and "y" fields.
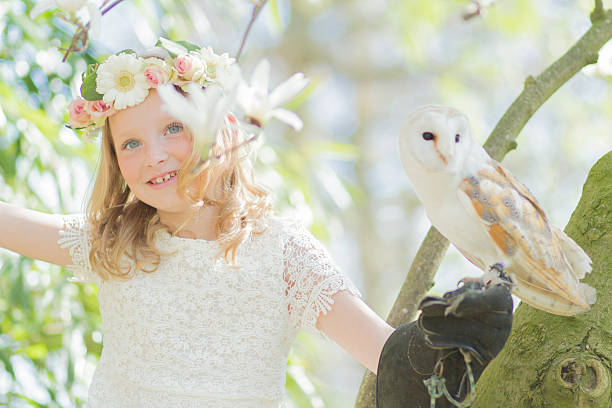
{"x": 174, "y": 128}
{"x": 131, "y": 144}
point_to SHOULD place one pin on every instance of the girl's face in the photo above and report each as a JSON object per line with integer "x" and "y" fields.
{"x": 151, "y": 145}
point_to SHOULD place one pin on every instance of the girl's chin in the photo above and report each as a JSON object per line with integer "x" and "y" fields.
{"x": 169, "y": 206}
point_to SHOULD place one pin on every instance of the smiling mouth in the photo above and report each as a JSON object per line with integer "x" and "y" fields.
{"x": 160, "y": 180}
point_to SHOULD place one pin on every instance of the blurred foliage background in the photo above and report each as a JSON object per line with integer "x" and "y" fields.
{"x": 372, "y": 61}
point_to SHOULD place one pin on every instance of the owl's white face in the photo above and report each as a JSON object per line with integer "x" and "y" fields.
{"x": 435, "y": 139}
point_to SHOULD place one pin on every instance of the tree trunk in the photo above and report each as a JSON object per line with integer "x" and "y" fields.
{"x": 555, "y": 361}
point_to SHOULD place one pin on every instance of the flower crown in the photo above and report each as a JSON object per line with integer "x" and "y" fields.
{"x": 124, "y": 79}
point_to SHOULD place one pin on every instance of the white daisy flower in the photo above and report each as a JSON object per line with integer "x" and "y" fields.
{"x": 122, "y": 81}
{"x": 260, "y": 106}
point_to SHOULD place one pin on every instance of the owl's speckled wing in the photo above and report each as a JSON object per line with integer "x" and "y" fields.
{"x": 534, "y": 250}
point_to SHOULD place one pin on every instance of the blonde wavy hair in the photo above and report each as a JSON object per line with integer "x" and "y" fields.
{"x": 123, "y": 225}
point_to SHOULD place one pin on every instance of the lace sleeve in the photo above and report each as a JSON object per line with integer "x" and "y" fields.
{"x": 312, "y": 279}
{"x": 75, "y": 235}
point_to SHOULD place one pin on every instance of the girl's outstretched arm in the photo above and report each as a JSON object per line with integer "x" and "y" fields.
{"x": 356, "y": 328}
{"x": 32, "y": 233}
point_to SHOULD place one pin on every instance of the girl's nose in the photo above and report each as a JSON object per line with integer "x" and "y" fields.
{"x": 156, "y": 153}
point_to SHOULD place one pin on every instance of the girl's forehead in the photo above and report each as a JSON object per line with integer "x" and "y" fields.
{"x": 149, "y": 112}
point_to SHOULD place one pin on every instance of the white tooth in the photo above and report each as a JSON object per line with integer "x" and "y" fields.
{"x": 159, "y": 180}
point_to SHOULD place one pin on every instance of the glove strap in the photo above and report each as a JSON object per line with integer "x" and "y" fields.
{"x": 436, "y": 384}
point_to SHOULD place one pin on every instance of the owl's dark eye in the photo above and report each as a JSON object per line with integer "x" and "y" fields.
{"x": 428, "y": 136}
{"x": 457, "y": 138}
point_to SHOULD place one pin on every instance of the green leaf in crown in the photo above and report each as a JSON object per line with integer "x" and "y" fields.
{"x": 88, "y": 88}
{"x": 176, "y": 48}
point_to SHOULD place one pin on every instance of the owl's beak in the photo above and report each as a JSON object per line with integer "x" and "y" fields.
{"x": 440, "y": 155}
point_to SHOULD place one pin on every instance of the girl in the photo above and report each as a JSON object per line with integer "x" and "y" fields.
{"x": 201, "y": 290}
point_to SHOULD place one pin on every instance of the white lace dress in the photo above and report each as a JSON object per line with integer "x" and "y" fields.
{"x": 197, "y": 333}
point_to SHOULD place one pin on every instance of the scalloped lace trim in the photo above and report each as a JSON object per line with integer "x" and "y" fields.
{"x": 312, "y": 277}
{"x": 75, "y": 236}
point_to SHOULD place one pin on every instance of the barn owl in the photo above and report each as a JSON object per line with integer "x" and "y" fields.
{"x": 490, "y": 216}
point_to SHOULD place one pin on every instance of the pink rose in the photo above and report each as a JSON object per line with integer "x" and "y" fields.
{"x": 189, "y": 66}
{"x": 99, "y": 109}
{"x": 78, "y": 114}
{"x": 155, "y": 75}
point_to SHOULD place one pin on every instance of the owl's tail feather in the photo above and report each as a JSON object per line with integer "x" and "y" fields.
{"x": 589, "y": 292}
{"x": 549, "y": 301}
{"x": 575, "y": 255}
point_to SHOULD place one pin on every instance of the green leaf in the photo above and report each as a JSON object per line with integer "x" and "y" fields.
{"x": 273, "y": 7}
{"x": 5, "y": 357}
{"x": 172, "y": 47}
{"x": 36, "y": 351}
{"x": 26, "y": 398}
{"x": 88, "y": 89}
{"x": 18, "y": 294}
{"x": 189, "y": 46}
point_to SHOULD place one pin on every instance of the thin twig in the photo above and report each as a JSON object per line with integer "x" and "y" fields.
{"x": 109, "y": 8}
{"x": 82, "y": 31}
{"x": 256, "y": 9}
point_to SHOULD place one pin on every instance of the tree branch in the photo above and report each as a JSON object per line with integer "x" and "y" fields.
{"x": 502, "y": 140}
{"x": 256, "y": 9}
{"x": 82, "y": 32}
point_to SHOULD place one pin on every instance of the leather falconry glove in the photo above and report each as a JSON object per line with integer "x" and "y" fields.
{"x": 472, "y": 320}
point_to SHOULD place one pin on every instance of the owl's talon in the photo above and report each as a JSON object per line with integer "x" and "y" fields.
{"x": 499, "y": 276}
{"x": 468, "y": 280}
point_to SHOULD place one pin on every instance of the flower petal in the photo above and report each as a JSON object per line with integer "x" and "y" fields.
{"x": 229, "y": 78}
{"x": 70, "y": 6}
{"x": 157, "y": 52}
{"x": 173, "y": 47}
{"x": 261, "y": 77}
{"x": 245, "y": 97}
{"x": 175, "y": 103}
{"x": 110, "y": 96}
{"x": 288, "y": 117}
{"x": 41, "y": 7}
{"x": 120, "y": 101}
{"x": 288, "y": 90}
{"x": 94, "y": 19}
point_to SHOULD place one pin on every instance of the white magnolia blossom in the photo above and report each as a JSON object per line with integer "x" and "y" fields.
{"x": 202, "y": 111}
{"x": 260, "y": 105}
{"x": 216, "y": 65}
{"x": 72, "y": 7}
{"x": 121, "y": 80}
{"x": 228, "y": 77}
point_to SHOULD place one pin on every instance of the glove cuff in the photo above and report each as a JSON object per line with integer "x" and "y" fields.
{"x": 407, "y": 360}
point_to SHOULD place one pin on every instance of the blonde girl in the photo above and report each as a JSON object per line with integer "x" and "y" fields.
{"x": 201, "y": 290}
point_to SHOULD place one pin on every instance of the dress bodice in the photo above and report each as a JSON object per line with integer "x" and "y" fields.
{"x": 198, "y": 332}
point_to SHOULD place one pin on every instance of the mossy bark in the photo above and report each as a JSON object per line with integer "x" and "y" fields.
{"x": 555, "y": 361}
